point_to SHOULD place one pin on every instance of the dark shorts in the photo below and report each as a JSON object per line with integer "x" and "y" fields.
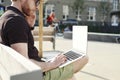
{"x": 59, "y": 73}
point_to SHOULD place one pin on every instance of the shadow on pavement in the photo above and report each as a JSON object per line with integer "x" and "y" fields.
{"x": 91, "y": 74}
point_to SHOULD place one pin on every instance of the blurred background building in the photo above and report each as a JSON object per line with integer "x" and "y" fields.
{"x": 96, "y": 11}
{"x": 82, "y": 10}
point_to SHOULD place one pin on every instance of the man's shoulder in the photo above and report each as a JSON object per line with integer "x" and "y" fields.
{"x": 12, "y": 19}
{"x": 11, "y": 13}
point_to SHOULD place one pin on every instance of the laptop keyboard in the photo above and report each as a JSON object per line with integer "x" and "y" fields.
{"x": 72, "y": 55}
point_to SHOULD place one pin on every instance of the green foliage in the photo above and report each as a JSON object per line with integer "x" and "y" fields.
{"x": 62, "y": 27}
{"x": 104, "y": 29}
{"x": 96, "y": 27}
{"x": 104, "y": 8}
{"x": 99, "y": 28}
{"x": 78, "y": 5}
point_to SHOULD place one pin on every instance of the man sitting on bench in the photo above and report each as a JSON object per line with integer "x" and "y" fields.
{"x": 16, "y": 25}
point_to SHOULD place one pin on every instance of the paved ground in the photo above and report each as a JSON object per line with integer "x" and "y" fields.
{"x": 103, "y": 59}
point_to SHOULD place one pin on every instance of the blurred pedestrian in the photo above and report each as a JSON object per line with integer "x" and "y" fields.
{"x": 51, "y": 19}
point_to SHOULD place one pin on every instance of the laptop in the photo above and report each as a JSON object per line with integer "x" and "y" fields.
{"x": 79, "y": 50}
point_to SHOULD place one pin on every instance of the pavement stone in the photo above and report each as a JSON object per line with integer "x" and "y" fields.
{"x": 103, "y": 62}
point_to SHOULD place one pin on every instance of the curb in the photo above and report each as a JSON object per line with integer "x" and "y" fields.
{"x": 103, "y": 37}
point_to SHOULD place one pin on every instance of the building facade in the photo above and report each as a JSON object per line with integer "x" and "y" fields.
{"x": 91, "y": 9}
{"x": 63, "y": 9}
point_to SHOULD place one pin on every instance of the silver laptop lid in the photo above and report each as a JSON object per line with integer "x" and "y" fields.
{"x": 80, "y": 38}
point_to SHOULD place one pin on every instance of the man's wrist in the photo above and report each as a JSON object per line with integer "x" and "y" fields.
{"x": 53, "y": 65}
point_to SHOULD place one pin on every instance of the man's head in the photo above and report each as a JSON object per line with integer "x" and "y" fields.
{"x": 28, "y": 7}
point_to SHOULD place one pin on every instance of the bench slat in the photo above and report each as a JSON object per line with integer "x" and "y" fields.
{"x": 48, "y": 34}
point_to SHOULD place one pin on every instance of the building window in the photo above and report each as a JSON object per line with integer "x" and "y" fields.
{"x": 78, "y": 16}
{"x": 2, "y": 8}
{"x": 65, "y": 12}
{"x": 114, "y": 20}
{"x": 49, "y": 8}
{"x": 115, "y": 4}
{"x": 1, "y": 1}
{"x": 91, "y": 14}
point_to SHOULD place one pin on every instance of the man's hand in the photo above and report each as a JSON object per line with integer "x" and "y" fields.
{"x": 58, "y": 60}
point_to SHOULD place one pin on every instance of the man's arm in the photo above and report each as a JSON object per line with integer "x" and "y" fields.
{"x": 22, "y": 48}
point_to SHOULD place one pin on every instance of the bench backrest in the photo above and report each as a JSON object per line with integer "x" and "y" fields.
{"x": 47, "y": 31}
{"x": 48, "y": 34}
{"x": 14, "y": 66}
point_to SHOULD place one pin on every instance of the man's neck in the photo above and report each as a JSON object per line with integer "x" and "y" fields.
{"x": 17, "y": 5}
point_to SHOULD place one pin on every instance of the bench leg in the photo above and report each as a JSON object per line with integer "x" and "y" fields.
{"x": 53, "y": 44}
{"x": 118, "y": 39}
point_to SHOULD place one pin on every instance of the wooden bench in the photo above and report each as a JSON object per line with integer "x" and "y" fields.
{"x": 14, "y": 66}
{"x": 48, "y": 34}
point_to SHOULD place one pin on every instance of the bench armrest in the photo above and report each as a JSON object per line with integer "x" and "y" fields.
{"x": 14, "y": 66}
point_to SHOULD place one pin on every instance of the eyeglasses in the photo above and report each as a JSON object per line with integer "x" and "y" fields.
{"x": 37, "y": 2}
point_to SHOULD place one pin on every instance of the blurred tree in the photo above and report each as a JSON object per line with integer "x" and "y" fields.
{"x": 104, "y": 8}
{"x": 78, "y": 7}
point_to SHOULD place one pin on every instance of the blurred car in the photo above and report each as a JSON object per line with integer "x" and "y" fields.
{"x": 67, "y": 24}
{"x": 70, "y": 21}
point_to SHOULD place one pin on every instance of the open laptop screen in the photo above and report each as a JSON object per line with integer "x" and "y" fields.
{"x": 80, "y": 38}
